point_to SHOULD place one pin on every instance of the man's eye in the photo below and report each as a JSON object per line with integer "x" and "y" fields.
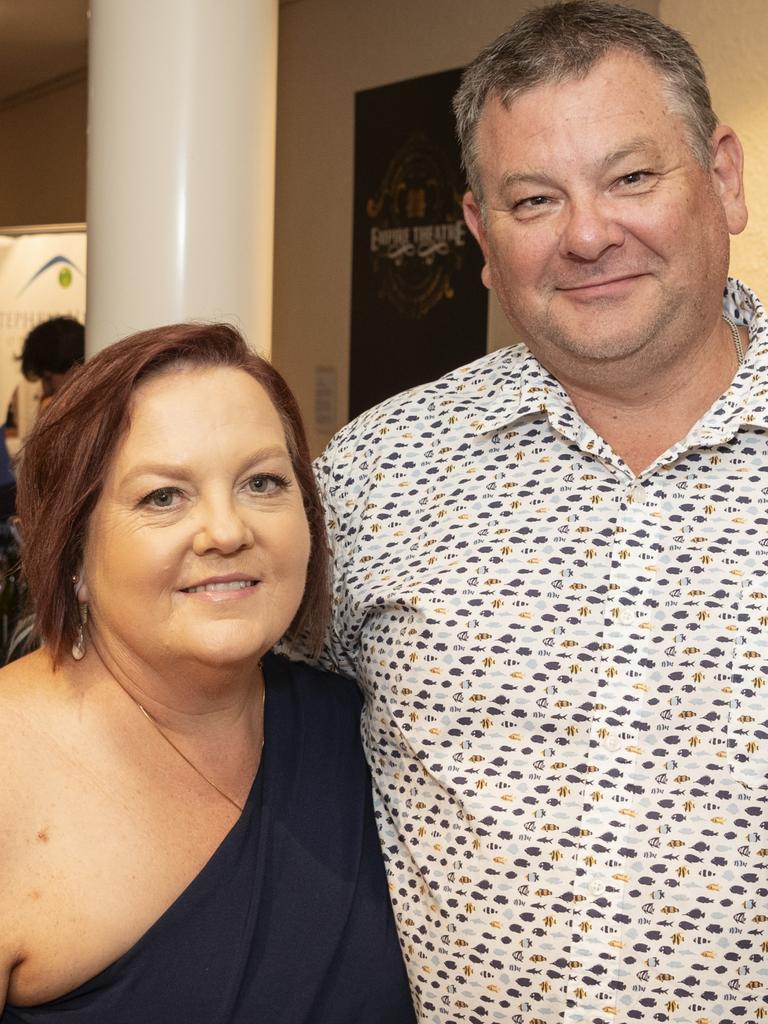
{"x": 634, "y": 177}
{"x": 532, "y": 201}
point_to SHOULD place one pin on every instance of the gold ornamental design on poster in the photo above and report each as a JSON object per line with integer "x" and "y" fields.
{"x": 417, "y": 230}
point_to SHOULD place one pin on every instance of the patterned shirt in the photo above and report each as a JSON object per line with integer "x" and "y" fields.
{"x": 566, "y": 670}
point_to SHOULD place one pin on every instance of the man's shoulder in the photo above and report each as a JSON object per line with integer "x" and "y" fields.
{"x": 311, "y": 684}
{"x": 327, "y": 705}
{"x": 428, "y": 405}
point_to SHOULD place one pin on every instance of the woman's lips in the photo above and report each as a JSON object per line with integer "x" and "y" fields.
{"x": 223, "y": 589}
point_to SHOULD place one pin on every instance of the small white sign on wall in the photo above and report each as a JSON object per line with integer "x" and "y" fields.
{"x": 326, "y": 399}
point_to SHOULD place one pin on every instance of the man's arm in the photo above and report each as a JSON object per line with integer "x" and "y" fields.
{"x": 337, "y": 653}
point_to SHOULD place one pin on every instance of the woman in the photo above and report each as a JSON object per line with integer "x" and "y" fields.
{"x": 187, "y": 833}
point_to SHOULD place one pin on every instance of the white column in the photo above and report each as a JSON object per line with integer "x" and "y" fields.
{"x": 181, "y": 151}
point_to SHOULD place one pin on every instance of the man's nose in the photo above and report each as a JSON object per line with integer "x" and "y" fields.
{"x": 222, "y": 528}
{"x": 590, "y": 228}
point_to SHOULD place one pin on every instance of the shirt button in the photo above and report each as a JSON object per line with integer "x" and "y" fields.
{"x": 627, "y": 616}
{"x": 612, "y": 743}
{"x": 637, "y": 492}
{"x": 596, "y": 887}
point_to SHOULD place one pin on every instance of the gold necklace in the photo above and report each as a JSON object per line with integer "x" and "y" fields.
{"x": 184, "y": 757}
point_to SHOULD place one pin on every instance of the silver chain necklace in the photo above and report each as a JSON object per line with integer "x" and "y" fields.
{"x": 736, "y": 339}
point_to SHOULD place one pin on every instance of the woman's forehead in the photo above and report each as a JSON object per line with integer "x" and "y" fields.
{"x": 189, "y": 408}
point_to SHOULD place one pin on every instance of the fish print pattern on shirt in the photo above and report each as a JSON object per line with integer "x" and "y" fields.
{"x": 566, "y": 671}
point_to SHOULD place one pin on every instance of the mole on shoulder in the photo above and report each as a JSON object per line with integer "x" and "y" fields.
{"x": 42, "y": 835}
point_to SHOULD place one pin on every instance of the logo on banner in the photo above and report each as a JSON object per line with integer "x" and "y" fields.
{"x": 65, "y": 265}
{"x": 417, "y": 231}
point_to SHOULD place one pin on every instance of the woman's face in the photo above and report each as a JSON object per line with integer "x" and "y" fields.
{"x": 198, "y": 546}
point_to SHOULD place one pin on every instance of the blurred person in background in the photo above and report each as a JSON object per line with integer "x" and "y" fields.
{"x": 52, "y": 352}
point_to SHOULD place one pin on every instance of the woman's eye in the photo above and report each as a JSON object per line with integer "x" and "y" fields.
{"x": 163, "y": 497}
{"x": 266, "y": 483}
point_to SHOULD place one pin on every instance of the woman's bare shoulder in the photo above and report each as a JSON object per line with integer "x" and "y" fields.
{"x": 32, "y": 668}
{"x": 25, "y": 699}
{"x": 28, "y": 724}
{"x": 27, "y": 687}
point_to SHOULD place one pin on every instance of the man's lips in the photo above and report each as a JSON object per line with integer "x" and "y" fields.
{"x": 605, "y": 284}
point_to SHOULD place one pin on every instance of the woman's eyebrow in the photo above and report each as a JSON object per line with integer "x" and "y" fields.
{"x": 183, "y": 469}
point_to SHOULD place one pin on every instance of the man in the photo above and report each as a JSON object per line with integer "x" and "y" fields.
{"x": 550, "y": 564}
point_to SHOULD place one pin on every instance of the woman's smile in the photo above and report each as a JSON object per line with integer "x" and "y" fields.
{"x": 226, "y": 588}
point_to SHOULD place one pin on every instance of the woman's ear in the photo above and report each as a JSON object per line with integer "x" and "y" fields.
{"x": 81, "y": 587}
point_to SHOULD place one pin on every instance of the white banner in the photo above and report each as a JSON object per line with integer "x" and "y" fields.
{"x": 41, "y": 276}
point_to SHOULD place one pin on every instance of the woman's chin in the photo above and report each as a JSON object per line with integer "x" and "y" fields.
{"x": 227, "y": 655}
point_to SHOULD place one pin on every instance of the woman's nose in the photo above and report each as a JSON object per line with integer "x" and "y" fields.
{"x": 222, "y": 528}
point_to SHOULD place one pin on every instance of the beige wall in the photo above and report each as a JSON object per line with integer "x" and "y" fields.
{"x": 42, "y": 157}
{"x": 731, "y": 39}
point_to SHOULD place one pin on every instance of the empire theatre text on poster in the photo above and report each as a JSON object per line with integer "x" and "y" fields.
{"x": 419, "y": 308}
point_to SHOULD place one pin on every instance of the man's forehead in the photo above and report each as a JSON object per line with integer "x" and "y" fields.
{"x": 621, "y": 61}
{"x": 619, "y": 104}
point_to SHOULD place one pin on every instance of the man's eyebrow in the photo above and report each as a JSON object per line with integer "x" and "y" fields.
{"x": 512, "y": 178}
{"x": 642, "y": 145}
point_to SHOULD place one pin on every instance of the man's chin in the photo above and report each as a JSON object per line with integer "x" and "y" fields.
{"x": 596, "y": 344}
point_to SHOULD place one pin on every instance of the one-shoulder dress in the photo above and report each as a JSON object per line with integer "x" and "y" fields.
{"x": 289, "y": 922}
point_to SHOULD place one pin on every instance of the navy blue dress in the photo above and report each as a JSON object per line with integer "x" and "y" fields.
{"x": 289, "y": 922}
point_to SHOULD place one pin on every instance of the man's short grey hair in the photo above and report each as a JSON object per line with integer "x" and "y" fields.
{"x": 564, "y": 41}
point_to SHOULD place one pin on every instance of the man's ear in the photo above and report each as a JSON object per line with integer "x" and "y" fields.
{"x": 728, "y": 176}
{"x": 473, "y": 215}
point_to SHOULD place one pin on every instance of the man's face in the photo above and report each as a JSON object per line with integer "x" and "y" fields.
{"x": 603, "y": 236}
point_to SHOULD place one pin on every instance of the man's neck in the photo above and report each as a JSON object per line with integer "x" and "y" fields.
{"x": 641, "y": 414}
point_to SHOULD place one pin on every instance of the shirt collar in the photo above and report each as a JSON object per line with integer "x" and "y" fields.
{"x": 745, "y": 403}
{"x": 513, "y": 386}
{"x": 517, "y": 387}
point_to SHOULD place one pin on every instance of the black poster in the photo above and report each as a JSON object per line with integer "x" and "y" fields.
{"x": 419, "y": 308}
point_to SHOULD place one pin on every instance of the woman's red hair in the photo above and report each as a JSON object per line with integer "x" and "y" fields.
{"x": 68, "y": 452}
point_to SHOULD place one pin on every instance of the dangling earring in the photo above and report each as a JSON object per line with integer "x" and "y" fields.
{"x": 78, "y": 647}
